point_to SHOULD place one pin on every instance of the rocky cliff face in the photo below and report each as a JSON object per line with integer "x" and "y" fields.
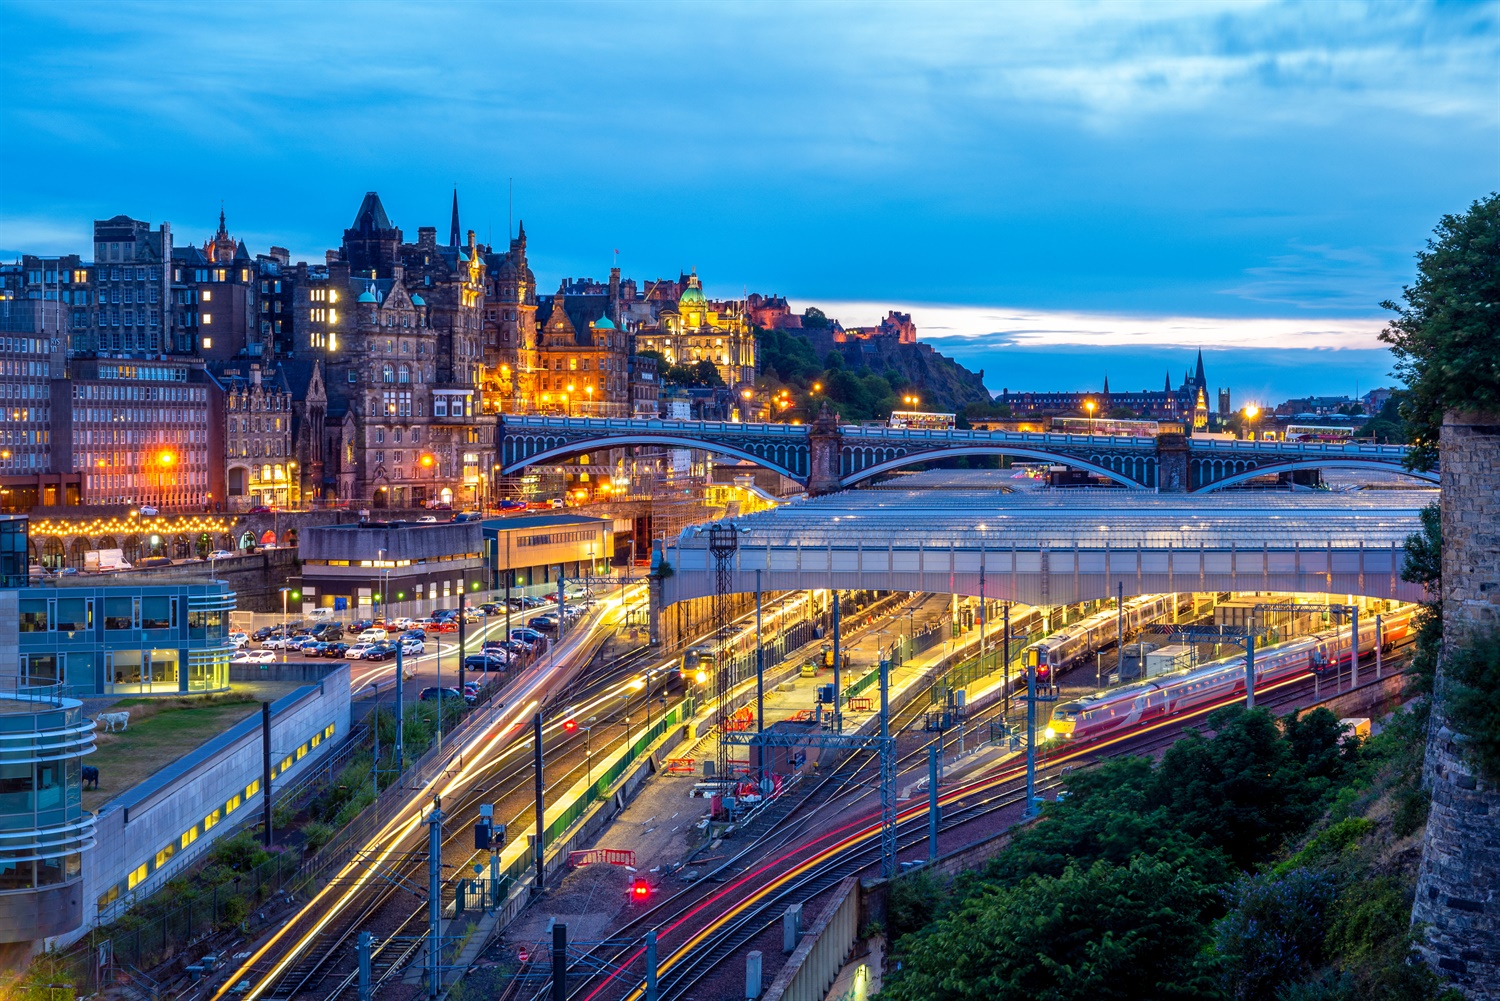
{"x": 947, "y": 385}
{"x": 1458, "y": 886}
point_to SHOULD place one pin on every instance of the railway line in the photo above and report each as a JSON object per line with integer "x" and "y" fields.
{"x": 704, "y": 924}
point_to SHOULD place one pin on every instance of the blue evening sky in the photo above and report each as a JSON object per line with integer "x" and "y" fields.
{"x": 1053, "y": 190}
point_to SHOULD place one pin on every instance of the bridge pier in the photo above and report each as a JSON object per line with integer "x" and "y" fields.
{"x": 824, "y": 440}
{"x": 1173, "y": 472}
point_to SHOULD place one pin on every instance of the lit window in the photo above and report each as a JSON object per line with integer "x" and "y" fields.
{"x": 252, "y": 788}
{"x": 136, "y": 876}
{"x": 208, "y": 295}
{"x": 208, "y": 342}
{"x": 208, "y": 318}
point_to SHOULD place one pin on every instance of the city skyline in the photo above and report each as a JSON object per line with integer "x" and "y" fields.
{"x": 991, "y": 166}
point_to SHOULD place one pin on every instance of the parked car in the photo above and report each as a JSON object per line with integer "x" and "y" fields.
{"x": 427, "y": 519}
{"x": 434, "y": 694}
{"x": 328, "y": 631}
{"x": 239, "y": 639}
{"x": 544, "y": 624}
{"x": 253, "y": 657}
{"x": 259, "y": 509}
{"x": 382, "y": 651}
{"x": 413, "y": 648}
{"x": 490, "y": 608}
{"x": 440, "y": 626}
{"x": 374, "y": 634}
{"x": 512, "y": 505}
{"x": 359, "y": 651}
{"x": 334, "y": 649}
{"x": 221, "y": 554}
{"x": 147, "y": 511}
{"x": 274, "y": 643}
{"x": 154, "y": 561}
{"x": 530, "y": 637}
{"x": 359, "y": 624}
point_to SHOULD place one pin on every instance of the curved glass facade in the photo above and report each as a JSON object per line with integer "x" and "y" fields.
{"x": 43, "y": 827}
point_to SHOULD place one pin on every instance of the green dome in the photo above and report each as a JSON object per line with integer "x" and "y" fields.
{"x": 367, "y": 296}
{"x": 603, "y": 323}
{"x": 692, "y": 295}
{"x": 417, "y": 300}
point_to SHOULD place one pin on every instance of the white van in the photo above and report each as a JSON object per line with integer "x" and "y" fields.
{"x": 321, "y": 615}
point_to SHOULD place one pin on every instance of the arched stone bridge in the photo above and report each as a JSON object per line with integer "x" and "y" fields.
{"x": 825, "y": 456}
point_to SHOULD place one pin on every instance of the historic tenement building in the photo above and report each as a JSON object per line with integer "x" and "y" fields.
{"x": 396, "y": 330}
{"x": 509, "y": 373}
{"x": 582, "y": 358}
{"x": 260, "y": 466}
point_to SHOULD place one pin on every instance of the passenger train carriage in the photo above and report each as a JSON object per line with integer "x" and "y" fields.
{"x": 1169, "y": 694}
{"x": 1058, "y": 652}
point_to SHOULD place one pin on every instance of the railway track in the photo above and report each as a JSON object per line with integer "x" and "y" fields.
{"x": 819, "y": 864}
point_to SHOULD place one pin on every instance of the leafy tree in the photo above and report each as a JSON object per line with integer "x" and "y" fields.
{"x": 700, "y": 374}
{"x": 1446, "y": 335}
{"x": 1242, "y": 789}
{"x": 1102, "y": 933}
{"x": 1122, "y": 414}
{"x": 833, "y": 360}
{"x": 814, "y": 318}
{"x": 1387, "y": 427}
{"x": 1273, "y": 933}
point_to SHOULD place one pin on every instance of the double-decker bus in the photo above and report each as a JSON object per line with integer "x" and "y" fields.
{"x": 922, "y": 421}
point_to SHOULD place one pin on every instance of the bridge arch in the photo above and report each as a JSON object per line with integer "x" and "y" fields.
{"x": 1042, "y": 455}
{"x": 1252, "y": 472}
{"x": 556, "y": 448}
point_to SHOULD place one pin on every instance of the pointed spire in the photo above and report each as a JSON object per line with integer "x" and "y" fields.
{"x": 455, "y": 237}
{"x": 1106, "y": 383}
{"x": 1167, "y": 385}
{"x": 1199, "y": 379}
{"x": 223, "y": 229}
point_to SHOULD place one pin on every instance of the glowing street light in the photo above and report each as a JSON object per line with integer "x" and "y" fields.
{"x": 1089, "y": 405}
{"x": 1251, "y": 412}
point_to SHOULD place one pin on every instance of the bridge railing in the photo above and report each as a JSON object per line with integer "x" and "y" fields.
{"x": 1017, "y": 437}
{"x": 1300, "y": 447}
{"x": 648, "y": 424}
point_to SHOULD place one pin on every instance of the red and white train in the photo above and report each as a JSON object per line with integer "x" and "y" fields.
{"x": 1054, "y": 654}
{"x": 1169, "y": 694}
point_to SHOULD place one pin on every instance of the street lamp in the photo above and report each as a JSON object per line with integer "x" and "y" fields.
{"x": 284, "y": 592}
{"x": 1251, "y": 412}
{"x": 1089, "y": 405}
{"x": 589, "y": 389}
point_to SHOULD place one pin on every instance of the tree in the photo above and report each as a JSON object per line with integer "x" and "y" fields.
{"x": 1386, "y": 427}
{"x": 1446, "y": 336}
{"x": 1472, "y": 697}
{"x": 1101, "y": 933}
{"x": 699, "y": 374}
{"x": 814, "y": 318}
{"x": 1273, "y": 933}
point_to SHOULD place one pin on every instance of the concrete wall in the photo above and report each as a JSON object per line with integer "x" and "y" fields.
{"x": 1458, "y": 886}
{"x": 822, "y": 950}
{"x": 135, "y": 826}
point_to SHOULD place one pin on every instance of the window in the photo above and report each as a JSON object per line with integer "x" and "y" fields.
{"x": 34, "y": 615}
{"x": 387, "y": 374}
{"x": 119, "y": 613}
{"x": 440, "y": 406}
{"x": 208, "y": 342}
{"x": 208, "y": 295}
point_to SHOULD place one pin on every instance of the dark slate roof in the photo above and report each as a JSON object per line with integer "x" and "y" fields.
{"x": 242, "y": 252}
{"x": 188, "y": 255}
{"x": 582, "y": 310}
{"x": 371, "y": 215}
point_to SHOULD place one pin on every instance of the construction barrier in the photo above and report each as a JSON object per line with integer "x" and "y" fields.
{"x": 681, "y": 766}
{"x": 613, "y": 856}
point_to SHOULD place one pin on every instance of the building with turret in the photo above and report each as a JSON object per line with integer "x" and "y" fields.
{"x": 694, "y": 329}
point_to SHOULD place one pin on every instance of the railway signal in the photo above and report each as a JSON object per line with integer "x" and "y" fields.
{"x": 570, "y": 726}
{"x": 640, "y": 890}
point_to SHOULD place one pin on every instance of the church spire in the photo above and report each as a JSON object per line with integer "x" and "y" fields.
{"x": 1167, "y": 386}
{"x": 1200, "y": 380}
{"x": 455, "y": 237}
{"x": 1106, "y": 383}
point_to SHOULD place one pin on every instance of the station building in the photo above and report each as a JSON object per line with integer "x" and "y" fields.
{"x": 365, "y": 565}
{"x": 528, "y": 550}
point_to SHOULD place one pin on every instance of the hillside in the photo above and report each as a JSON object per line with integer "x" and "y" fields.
{"x": 865, "y": 380}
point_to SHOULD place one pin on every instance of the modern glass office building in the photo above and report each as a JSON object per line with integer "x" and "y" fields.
{"x": 124, "y": 639}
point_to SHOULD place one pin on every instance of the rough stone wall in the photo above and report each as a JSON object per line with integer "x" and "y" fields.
{"x": 1458, "y": 886}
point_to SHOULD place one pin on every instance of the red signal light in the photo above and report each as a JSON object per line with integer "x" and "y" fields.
{"x": 640, "y": 890}
{"x": 570, "y": 726}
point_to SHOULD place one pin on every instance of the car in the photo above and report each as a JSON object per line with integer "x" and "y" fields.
{"x": 68, "y": 572}
{"x": 239, "y": 639}
{"x": 259, "y": 509}
{"x": 334, "y": 649}
{"x": 414, "y": 634}
{"x": 253, "y": 657}
{"x": 147, "y": 511}
{"x": 543, "y": 624}
{"x": 374, "y": 634}
{"x": 434, "y": 694}
{"x": 221, "y": 554}
{"x": 530, "y": 637}
{"x": 557, "y": 503}
{"x": 477, "y": 662}
{"x": 359, "y": 624}
{"x": 154, "y": 561}
{"x": 359, "y": 651}
{"x": 399, "y": 623}
{"x": 427, "y": 519}
{"x": 489, "y": 608}
{"x": 413, "y": 648}
{"x": 440, "y": 626}
{"x": 512, "y": 505}
{"x": 274, "y": 643}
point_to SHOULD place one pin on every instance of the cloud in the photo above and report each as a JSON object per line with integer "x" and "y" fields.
{"x": 979, "y": 327}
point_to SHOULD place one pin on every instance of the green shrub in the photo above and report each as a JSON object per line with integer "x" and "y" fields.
{"x": 317, "y": 835}
{"x": 1471, "y": 697}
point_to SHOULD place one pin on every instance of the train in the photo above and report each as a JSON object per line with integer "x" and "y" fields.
{"x": 698, "y": 665}
{"x": 1057, "y": 652}
{"x": 1169, "y": 694}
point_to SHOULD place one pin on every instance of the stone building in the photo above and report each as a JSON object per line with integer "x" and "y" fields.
{"x": 1457, "y": 905}
{"x": 260, "y": 466}
{"x": 509, "y": 373}
{"x": 397, "y": 332}
{"x": 582, "y": 358}
{"x": 215, "y": 300}
{"x": 693, "y": 329}
{"x": 131, "y": 287}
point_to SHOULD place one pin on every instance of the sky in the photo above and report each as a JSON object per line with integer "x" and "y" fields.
{"x": 1054, "y": 191}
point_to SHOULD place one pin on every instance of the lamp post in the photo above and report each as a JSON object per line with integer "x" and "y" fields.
{"x": 1089, "y": 405}
{"x": 1251, "y": 412}
{"x": 284, "y": 592}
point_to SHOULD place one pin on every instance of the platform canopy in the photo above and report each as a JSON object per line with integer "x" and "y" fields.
{"x": 934, "y": 531}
